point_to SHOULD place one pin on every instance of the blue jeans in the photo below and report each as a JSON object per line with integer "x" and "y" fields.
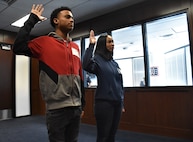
{"x": 63, "y": 124}
{"x": 107, "y": 114}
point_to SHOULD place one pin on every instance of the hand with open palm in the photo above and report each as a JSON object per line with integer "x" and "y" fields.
{"x": 92, "y": 37}
{"x": 37, "y": 10}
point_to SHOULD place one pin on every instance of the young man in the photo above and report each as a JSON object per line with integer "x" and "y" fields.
{"x": 61, "y": 80}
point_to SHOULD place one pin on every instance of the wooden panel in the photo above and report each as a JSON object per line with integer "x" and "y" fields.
{"x": 6, "y": 79}
{"x": 34, "y": 74}
{"x": 166, "y": 112}
{"x": 128, "y": 117}
{"x": 9, "y": 37}
{"x": 37, "y": 103}
{"x": 89, "y": 108}
{"x": 1, "y": 36}
{"x": 173, "y": 105}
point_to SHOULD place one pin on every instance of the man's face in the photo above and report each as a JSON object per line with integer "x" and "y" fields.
{"x": 64, "y": 21}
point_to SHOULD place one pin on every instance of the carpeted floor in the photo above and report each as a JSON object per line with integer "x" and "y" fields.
{"x": 33, "y": 129}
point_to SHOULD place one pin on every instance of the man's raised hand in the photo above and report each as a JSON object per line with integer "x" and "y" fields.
{"x": 37, "y": 10}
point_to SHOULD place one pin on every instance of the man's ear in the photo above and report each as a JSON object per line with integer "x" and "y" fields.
{"x": 55, "y": 21}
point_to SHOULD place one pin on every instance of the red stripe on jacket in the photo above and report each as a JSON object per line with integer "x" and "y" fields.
{"x": 61, "y": 56}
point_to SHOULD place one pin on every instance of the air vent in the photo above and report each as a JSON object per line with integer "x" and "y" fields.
{"x": 8, "y": 2}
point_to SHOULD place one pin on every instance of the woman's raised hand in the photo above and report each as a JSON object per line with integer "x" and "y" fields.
{"x": 92, "y": 37}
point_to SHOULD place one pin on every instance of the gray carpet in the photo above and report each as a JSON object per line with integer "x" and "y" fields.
{"x": 33, "y": 129}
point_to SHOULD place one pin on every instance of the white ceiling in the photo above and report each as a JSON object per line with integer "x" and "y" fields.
{"x": 82, "y": 10}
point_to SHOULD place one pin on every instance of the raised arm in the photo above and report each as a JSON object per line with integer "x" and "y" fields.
{"x": 88, "y": 60}
{"x": 21, "y": 43}
{"x": 92, "y": 37}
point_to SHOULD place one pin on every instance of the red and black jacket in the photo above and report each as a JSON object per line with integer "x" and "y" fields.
{"x": 61, "y": 80}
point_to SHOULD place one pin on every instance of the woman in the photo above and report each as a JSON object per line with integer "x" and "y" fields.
{"x": 109, "y": 92}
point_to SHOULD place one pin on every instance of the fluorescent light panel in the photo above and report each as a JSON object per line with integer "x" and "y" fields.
{"x": 21, "y": 21}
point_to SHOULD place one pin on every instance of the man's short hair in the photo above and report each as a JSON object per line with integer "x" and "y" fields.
{"x": 55, "y": 14}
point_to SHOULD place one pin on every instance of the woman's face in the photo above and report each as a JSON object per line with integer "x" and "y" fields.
{"x": 109, "y": 43}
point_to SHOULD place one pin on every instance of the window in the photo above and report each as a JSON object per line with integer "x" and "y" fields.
{"x": 167, "y": 60}
{"x": 128, "y": 53}
{"x": 169, "y": 51}
{"x": 79, "y": 45}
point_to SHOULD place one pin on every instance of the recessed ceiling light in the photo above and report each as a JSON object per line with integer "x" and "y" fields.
{"x": 20, "y": 22}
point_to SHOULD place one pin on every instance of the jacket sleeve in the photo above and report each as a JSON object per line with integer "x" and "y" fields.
{"x": 21, "y": 43}
{"x": 83, "y": 102}
{"x": 89, "y": 63}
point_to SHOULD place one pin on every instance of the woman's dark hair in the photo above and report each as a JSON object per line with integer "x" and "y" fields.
{"x": 101, "y": 48}
{"x": 101, "y": 43}
{"x": 55, "y": 14}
